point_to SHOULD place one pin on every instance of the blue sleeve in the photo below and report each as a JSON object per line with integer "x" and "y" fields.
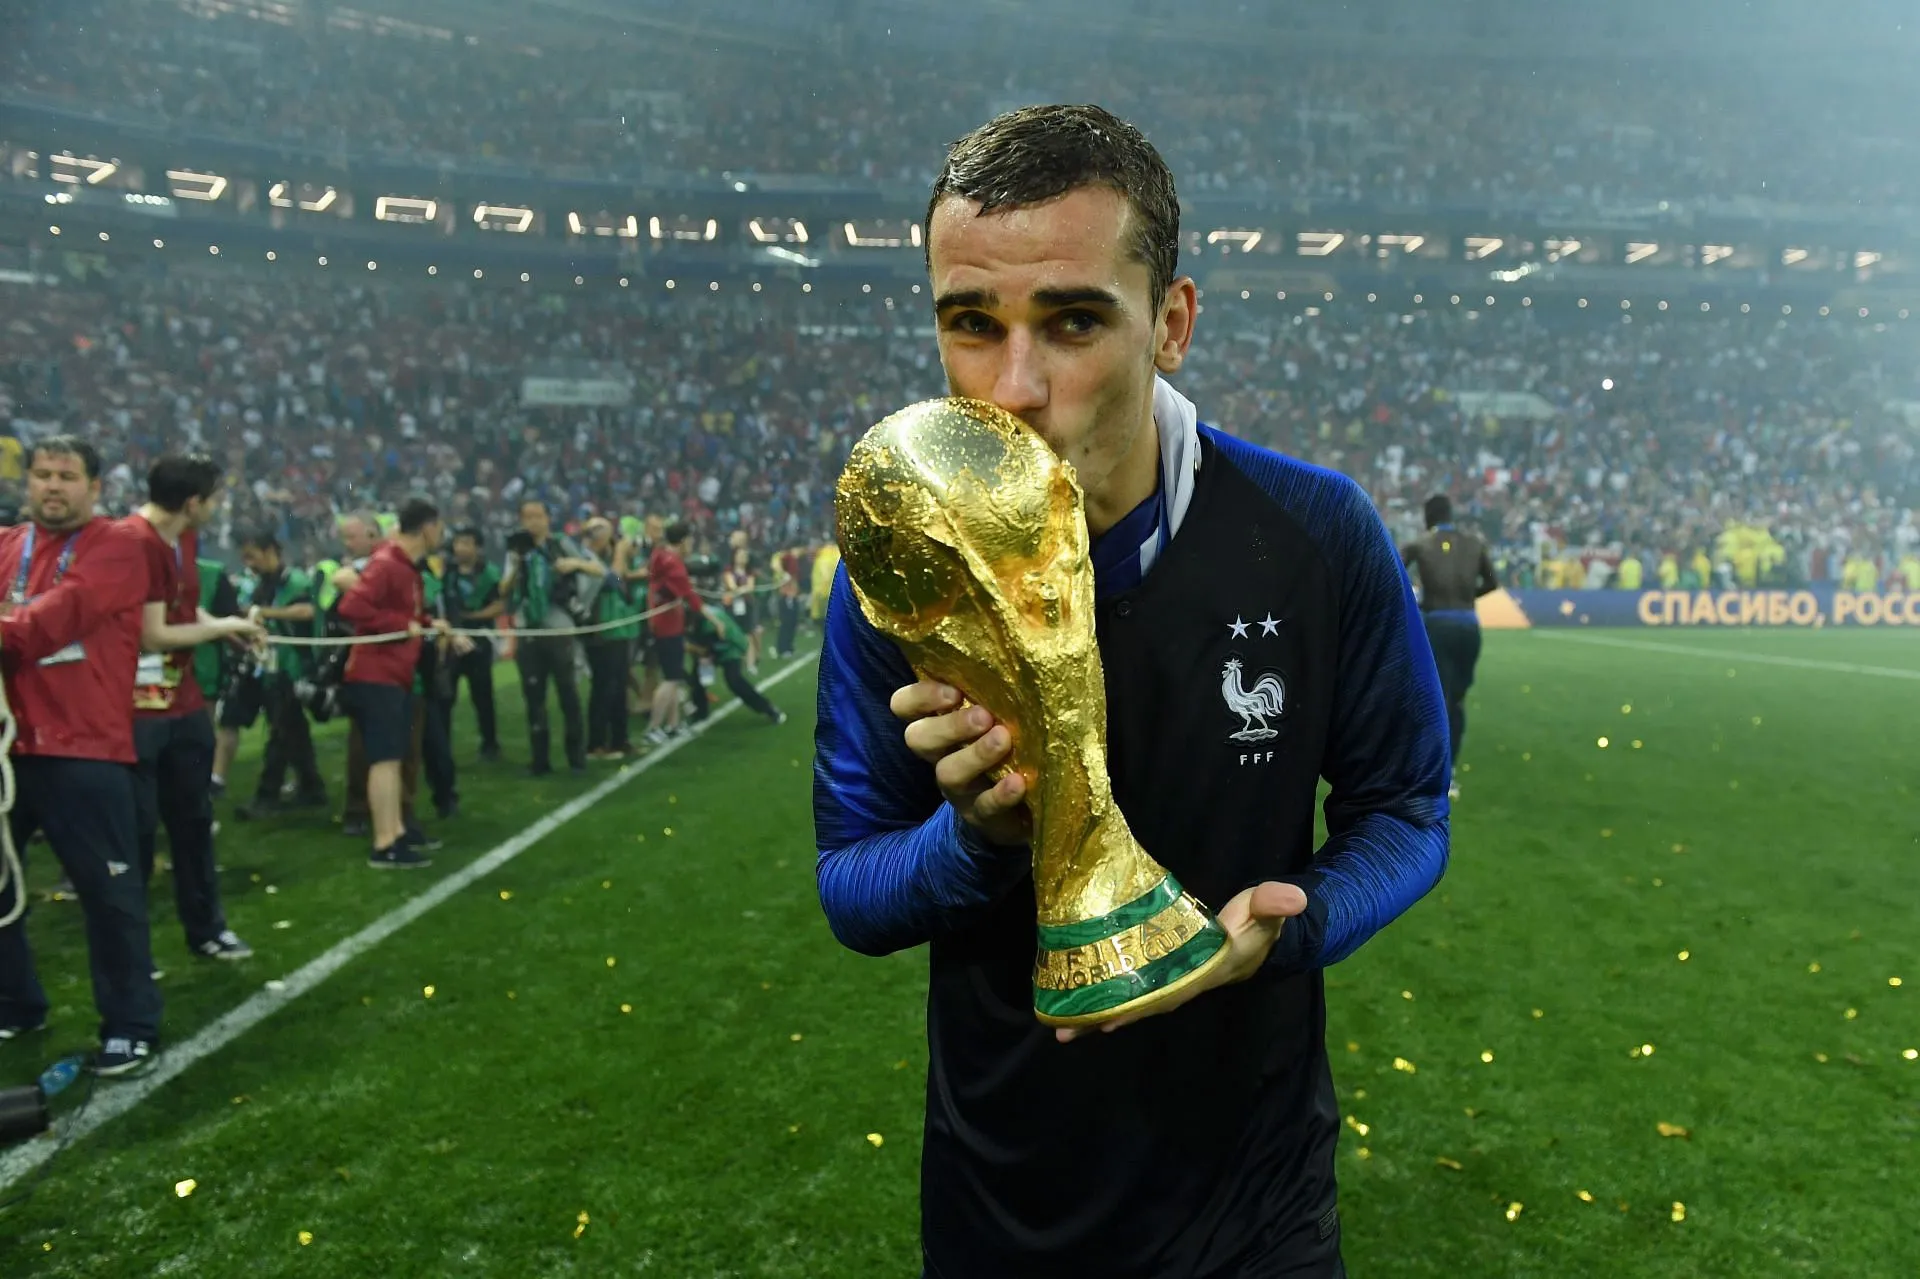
{"x": 897, "y": 867}
{"x": 1386, "y": 757}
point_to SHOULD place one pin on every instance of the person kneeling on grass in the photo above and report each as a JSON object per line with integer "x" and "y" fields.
{"x": 712, "y": 632}
{"x": 389, "y": 598}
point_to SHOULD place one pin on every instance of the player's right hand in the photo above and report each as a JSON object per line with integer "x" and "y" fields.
{"x": 965, "y": 744}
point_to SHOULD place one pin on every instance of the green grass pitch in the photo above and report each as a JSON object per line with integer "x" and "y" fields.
{"x": 757, "y": 1111}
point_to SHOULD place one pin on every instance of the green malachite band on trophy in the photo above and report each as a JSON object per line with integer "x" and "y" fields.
{"x": 1118, "y": 990}
{"x": 1118, "y": 920}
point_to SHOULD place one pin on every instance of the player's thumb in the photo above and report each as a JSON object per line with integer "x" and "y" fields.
{"x": 1275, "y": 900}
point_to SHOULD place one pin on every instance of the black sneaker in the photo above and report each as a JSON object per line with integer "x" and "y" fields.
{"x": 226, "y": 946}
{"x": 313, "y": 799}
{"x": 539, "y": 770}
{"x": 217, "y": 787}
{"x": 417, "y": 838}
{"x": 14, "y": 1032}
{"x": 489, "y": 753}
{"x": 399, "y": 856}
{"x": 261, "y": 807}
{"x": 355, "y": 828}
{"x": 448, "y": 811}
{"x": 122, "y": 1058}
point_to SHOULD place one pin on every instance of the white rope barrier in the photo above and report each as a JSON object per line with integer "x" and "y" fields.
{"x": 490, "y": 633}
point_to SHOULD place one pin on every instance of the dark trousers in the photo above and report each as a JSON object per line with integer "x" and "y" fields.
{"x": 476, "y": 668}
{"x": 289, "y": 742}
{"x": 357, "y": 809}
{"x": 789, "y": 624}
{"x": 1456, "y": 650}
{"x": 85, "y": 806}
{"x": 607, "y": 718}
{"x": 737, "y": 681}
{"x": 549, "y": 659}
{"x": 436, "y": 751}
{"x": 173, "y": 783}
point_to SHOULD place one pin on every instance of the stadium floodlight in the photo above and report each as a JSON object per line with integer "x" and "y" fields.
{"x": 1482, "y": 246}
{"x": 777, "y": 230}
{"x": 58, "y": 197}
{"x": 308, "y": 197}
{"x": 1557, "y": 249}
{"x": 1640, "y": 251}
{"x": 684, "y": 228}
{"x": 1247, "y": 240}
{"x": 1793, "y": 257}
{"x": 502, "y": 217}
{"x": 186, "y": 184}
{"x": 791, "y": 256}
{"x": 76, "y": 170}
{"x": 1711, "y": 253}
{"x": 1405, "y": 243}
{"x": 405, "y": 208}
{"x": 1864, "y": 259}
{"x": 604, "y": 224}
{"x": 881, "y": 233}
{"x": 1318, "y": 244}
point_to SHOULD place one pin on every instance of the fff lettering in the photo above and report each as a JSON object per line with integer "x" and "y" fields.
{"x": 1256, "y": 757}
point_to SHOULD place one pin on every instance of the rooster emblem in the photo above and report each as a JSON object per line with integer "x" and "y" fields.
{"x": 1267, "y": 699}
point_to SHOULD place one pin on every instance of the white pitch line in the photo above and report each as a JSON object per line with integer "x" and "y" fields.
{"x": 1730, "y": 655}
{"x": 113, "y": 1100}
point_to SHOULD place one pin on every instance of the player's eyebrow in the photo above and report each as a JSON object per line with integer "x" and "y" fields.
{"x": 1080, "y": 295}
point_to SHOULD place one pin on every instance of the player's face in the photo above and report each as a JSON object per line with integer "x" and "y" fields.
{"x": 59, "y": 494}
{"x": 1046, "y": 312}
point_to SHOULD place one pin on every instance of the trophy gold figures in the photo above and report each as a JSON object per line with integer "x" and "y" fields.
{"x": 965, "y": 538}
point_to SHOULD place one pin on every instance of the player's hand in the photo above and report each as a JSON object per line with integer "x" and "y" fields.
{"x": 965, "y": 745}
{"x": 415, "y": 630}
{"x": 1253, "y": 921}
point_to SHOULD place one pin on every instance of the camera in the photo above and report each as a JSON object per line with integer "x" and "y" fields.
{"x": 23, "y": 1114}
{"x": 520, "y": 541}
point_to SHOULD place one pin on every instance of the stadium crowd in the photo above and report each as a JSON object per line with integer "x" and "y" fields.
{"x": 1328, "y": 127}
{"x": 1646, "y": 438}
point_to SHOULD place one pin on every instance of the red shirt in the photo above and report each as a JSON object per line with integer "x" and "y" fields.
{"x": 387, "y": 598}
{"x": 667, "y": 580}
{"x": 67, "y": 701}
{"x": 164, "y": 686}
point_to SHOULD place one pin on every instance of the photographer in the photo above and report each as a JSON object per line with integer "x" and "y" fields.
{"x": 540, "y": 586}
{"x": 69, "y": 645}
{"x": 283, "y": 600}
{"x": 716, "y": 634}
{"x": 609, "y": 652}
{"x": 473, "y": 602}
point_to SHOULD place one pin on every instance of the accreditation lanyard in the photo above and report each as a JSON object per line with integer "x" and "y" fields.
{"x": 60, "y": 567}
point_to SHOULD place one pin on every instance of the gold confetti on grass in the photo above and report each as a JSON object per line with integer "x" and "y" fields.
{"x": 1404, "y": 1066}
{"x": 182, "y": 1189}
{"x": 1452, "y": 1165}
{"x": 1486, "y": 1056}
{"x": 580, "y": 1225}
{"x": 1679, "y": 1211}
{"x": 1354, "y": 1123}
{"x": 1514, "y": 1210}
{"x": 1684, "y": 956}
{"x": 1584, "y": 1196}
{"x": 305, "y": 1237}
{"x": 506, "y": 894}
{"x": 875, "y": 1140}
{"x": 1673, "y": 1130}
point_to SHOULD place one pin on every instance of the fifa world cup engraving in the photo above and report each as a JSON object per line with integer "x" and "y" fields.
{"x": 965, "y": 538}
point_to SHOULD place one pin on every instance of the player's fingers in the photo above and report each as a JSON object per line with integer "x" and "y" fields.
{"x": 927, "y": 697}
{"x": 959, "y": 770}
{"x": 1003, "y": 797}
{"x": 938, "y": 736}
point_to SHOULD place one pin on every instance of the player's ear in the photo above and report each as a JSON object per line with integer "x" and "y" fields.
{"x": 1173, "y": 327}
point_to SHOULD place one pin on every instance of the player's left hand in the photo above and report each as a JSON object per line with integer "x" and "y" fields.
{"x": 1253, "y": 921}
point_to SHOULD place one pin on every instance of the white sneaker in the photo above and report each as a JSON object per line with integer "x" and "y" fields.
{"x": 1453, "y": 790}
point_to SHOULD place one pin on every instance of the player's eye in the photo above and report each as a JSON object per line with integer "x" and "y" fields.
{"x": 1077, "y": 323}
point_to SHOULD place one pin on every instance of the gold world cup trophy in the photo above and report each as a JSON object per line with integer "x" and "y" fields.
{"x": 965, "y": 537}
